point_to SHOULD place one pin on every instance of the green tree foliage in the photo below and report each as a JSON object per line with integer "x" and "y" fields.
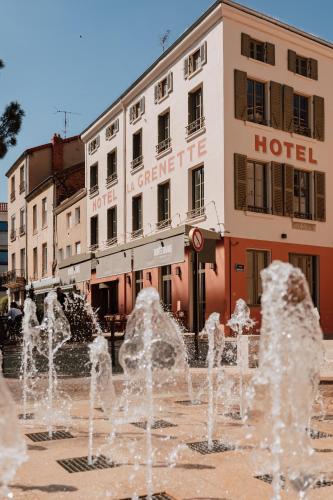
{"x": 10, "y": 124}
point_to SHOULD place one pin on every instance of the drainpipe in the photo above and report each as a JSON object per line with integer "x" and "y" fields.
{"x": 124, "y": 196}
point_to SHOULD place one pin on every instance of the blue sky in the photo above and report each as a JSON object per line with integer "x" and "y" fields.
{"x": 79, "y": 55}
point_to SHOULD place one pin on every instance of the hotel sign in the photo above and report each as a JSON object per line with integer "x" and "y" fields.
{"x": 291, "y": 150}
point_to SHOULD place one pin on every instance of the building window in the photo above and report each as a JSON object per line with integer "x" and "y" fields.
{"x": 302, "y": 194}
{"x": 257, "y": 260}
{"x": 77, "y": 247}
{"x": 93, "y": 145}
{"x": 34, "y": 218}
{"x": 164, "y": 141}
{"x": 195, "y": 61}
{"x": 255, "y": 101}
{"x": 137, "y": 216}
{"x": 138, "y": 282}
{"x": 301, "y": 115}
{"x": 94, "y": 232}
{"x": 12, "y": 188}
{"x": 256, "y": 187}
{"x": 163, "y": 205}
{"x": 198, "y": 193}
{"x": 112, "y": 225}
{"x": 137, "y": 110}
{"x": 13, "y": 228}
{"x": 112, "y": 166}
{"x": 166, "y": 287}
{"x": 13, "y": 262}
{"x": 163, "y": 87}
{"x": 60, "y": 255}
{"x": 308, "y": 264}
{"x": 44, "y": 259}
{"x": 22, "y": 180}
{"x": 44, "y": 212}
{"x": 196, "y": 120}
{"x": 35, "y": 263}
{"x": 69, "y": 220}
{"x": 257, "y": 50}
{"x": 22, "y": 261}
{"x": 112, "y": 129}
{"x": 68, "y": 251}
{"x": 77, "y": 215}
{"x": 22, "y": 221}
{"x": 3, "y": 257}
{"x": 301, "y": 65}
{"x": 93, "y": 179}
{"x": 137, "y": 157}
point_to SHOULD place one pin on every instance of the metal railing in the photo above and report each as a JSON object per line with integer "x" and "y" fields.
{"x": 303, "y": 215}
{"x": 22, "y": 187}
{"x": 93, "y": 190}
{"x": 196, "y": 212}
{"x": 93, "y": 247}
{"x": 22, "y": 230}
{"x": 162, "y": 224}
{"x": 13, "y": 277}
{"x": 12, "y": 196}
{"x": 137, "y": 233}
{"x": 13, "y": 235}
{"x": 136, "y": 162}
{"x": 111, "y": 178}
{"x": 111, "y": 241}
{"x": 163, "y": 145}
{"x": 196, "y": 125}
{"x": 259, "y": 210}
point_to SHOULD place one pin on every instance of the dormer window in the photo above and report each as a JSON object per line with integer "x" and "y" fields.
{"x": 112, "y": 129}
{"x": 163, "y": 88}
{"x": 137, "y": 110}
{"x": 93, "y": 145}
{"x": 194, "y": 62}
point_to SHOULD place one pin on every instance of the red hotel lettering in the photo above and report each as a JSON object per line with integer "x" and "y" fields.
{"x": 311, "y": 158}
{"x": 140, "y": 182}
{"x": 300, "y": 152}
{"x": 180, "y": 155}
{"x": 162, "y": 168}
{"x": 202, "y": 147}
{"x": 289, "y": 146}
{"x": 147, "y": 177}
{"x": 190, "y": 150}
{"x": 154, "y": 173}
{"x": 276, "y": 147}
{"x": 260, "y": 143}
{"x": 94, "y": 205}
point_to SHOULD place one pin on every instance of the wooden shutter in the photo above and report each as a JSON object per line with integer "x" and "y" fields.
{"x": 276, "y": 105}
{"x": 240, "y": 95}
{"x": 313, "y": 66}
{"x": 240, "y": 182}
{"x": 142, "y": 105}
{"x": 292, "y": 60}
{"x": 186, "y": 68}
{"x": 318, "y": 118}
{"x": 203, "y": 53}
{"x": 320, "y": 196}
{"x": 288, "y": 108}
{"x": 131, "y": 114}
{"x": 245, "y": 45}
{"x": 288, "y": 197}
{"x": 270, "y": 53}
{"x": 156, "y": 92}
{"x": 116, "y": 125}
{"x": 277, "y": 188}
{"x": 170, "y": 81}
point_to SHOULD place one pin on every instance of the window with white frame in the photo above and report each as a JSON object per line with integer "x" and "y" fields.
{"x": 195, "y": 61}
{"x": 78, "y": 247}
{"x": 112, "y": 129}
{"x": 68, "y": 251}
{"x": 163, "y": 88}
{"x": 93, "y": 145}
{"x": 137, "y": 110}
{"x": 69, "y": 220}
{"x": 44, "y": 212}
{"x": 77, "y": 215}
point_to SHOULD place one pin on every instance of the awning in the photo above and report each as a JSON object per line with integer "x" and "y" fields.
{"x": 159, "y": 253}
{"x": 44, "y": 285}
{"x": 76, "y": 273}
{"x": 113, "y": 264}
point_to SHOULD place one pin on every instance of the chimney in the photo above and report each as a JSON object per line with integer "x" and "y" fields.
{"x": 57, "y": 153}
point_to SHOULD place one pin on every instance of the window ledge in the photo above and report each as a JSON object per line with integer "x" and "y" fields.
{"x": 138, "y": 118}
{"x": 260, "y": 126}
{"x": 45, "y": 226}
{"x": 95, "y": 193}
{"x": 162, "y": 98}
{"x": 258, "y": 214}
{"x": 192, "y": 75}
{"x": 195, "y": 134}
{"x": 136, "y": 169}
{"x": 306, "y": 221}
{"x": 112, "y": 183}
{"x": 110, "y": 137}
{"x": 199, "y": 218}
{"x": 304, "y": 138}
{"x": 163, "y": 153}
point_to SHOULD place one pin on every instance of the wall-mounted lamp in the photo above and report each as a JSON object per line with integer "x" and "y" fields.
{"x": 179, "y": 272}
{"x": 128, "y": 279}
{"x": 148, "y": 276}
{"x": 213, "y": 266}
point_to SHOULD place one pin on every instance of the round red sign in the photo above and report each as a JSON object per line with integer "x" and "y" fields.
{"x": 196, "y": 239}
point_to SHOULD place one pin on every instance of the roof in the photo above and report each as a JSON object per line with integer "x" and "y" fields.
{"x": 216, "y": 4}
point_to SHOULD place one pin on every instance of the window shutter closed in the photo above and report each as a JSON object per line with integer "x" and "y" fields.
{"x": 116, "y": 125}
{"x": 270, "y": 53}
{"x": 320, "y": 196}
{"x": 276, "y": 105}
{"x": 170, "y": 81}
{"x": 318, "y": 118}
{"x": 288, "y": 108}
{"x": 156, "y": 93}
{"x": 288, "y": 190}
{"x": 277, "y": 188}
{"x": 240, "y": 182}
{"x": 240, "y": 95}
{"x": 186, "y": 68}
{"x": 142, "y": 105}
{"x": 203, "y": 53}
{"x": 245, "y": 45}
{"x": 313, "y": 69}
{"x": 292, "y": 61}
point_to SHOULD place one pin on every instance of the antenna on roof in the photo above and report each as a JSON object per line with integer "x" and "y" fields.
{"x": 65, "y": 112}
{"x": 164, "y": 38}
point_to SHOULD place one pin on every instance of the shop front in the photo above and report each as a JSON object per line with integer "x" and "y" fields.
{"x": 75, "y": 273}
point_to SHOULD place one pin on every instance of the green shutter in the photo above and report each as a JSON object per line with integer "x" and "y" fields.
{"x": 240, "y": 181}
{"x": 320, "y": 196}
{"x": 288, "y": 197}
{"x": 313, "y": 69}
{"x": 240, "y": 95}
{"x": 288, "y": 108}
{"x": 245, "y": 45}
{"x": 318, "y": 118}
{"x": 292, "y": 60}
{"x": 270, "y": 53}
{"x": 276, "y": 105}
{"x": 277, "y": 188}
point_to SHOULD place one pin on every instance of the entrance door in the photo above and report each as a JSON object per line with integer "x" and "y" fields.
{"x": 113, "y": 297}
{"x": 199, "y": 294}
{"x": 308, "y": 264}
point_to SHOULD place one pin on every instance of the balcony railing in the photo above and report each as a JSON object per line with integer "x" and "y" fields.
{"x": 111, "y": 241}
{"x": 196, "y": 212}
{"x": 136, "y": 162}
{"x": 22, "y": 187}
{"x": 12, "y": 196}
{"x": 13, "y": 235}
{"x": 303, "y": 215}
{"x": 13, "y": 278}
{"x": 93, "y": 247}
{"x": 22, "y": 230}
{"x": 259, "y": 210}
{"x": 162, "y": 224}
{"x": 93, "y": 190}
{"x": 301, "y": 129}
{"x": 137, "y": 233}
{"x": 111, "y": 178}
{"x": 163, "y": 145}
{"x": 196, "y": 125}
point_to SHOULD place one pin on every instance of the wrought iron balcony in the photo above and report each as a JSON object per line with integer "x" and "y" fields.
{"x": 111, "y": 241}
{"x": 163, "y": 145}
{"x": 93, "y": 247}
{"x": 13, "y": 235}
{"x": 196, "y": 125}
{"x": 93, "y": 190}
{"x": 136, "y": 162}
{"x": 12, "y": 196}
{"x": 137, "y": 233}
{"x": 13, "y": 279}
{"x": 111, "y": 178}
{"x": 303, "y": 215}
{"x": 162, "y": 224}
{"x": 196, "y": 212}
